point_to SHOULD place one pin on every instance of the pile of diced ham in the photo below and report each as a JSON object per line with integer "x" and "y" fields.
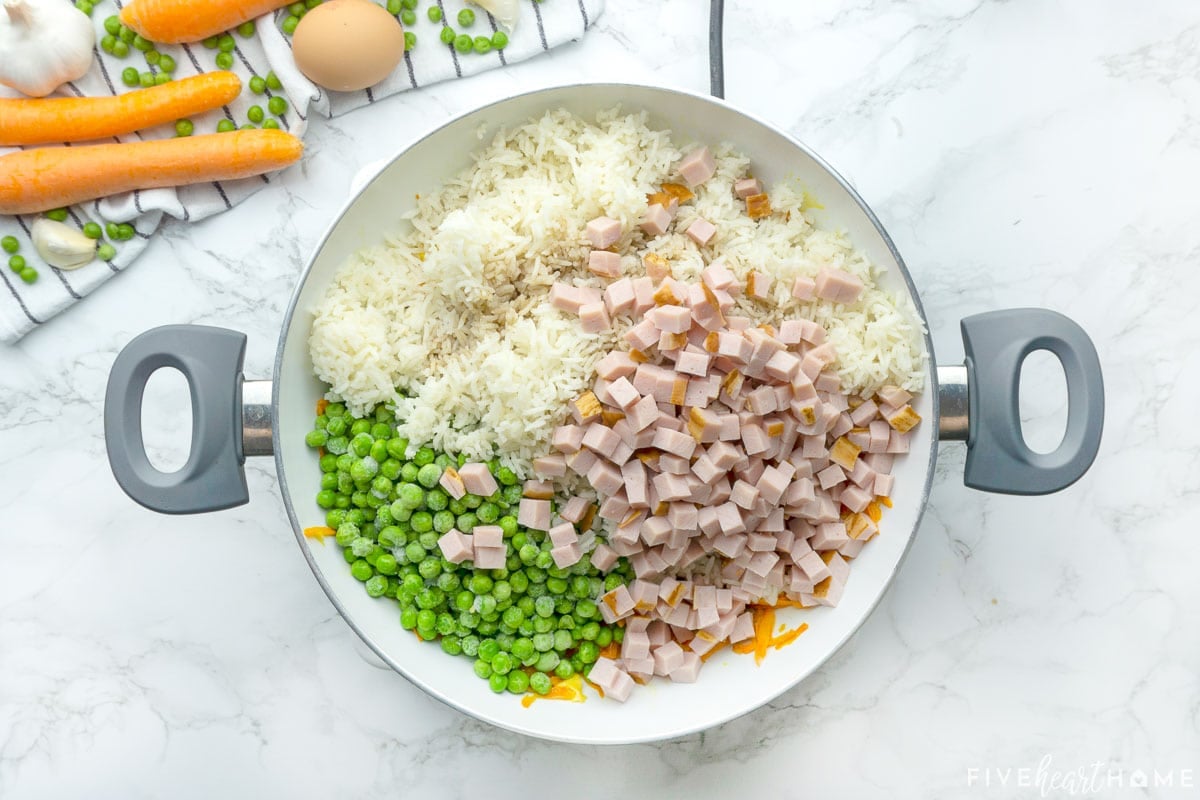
{"x": 712, "y": 436}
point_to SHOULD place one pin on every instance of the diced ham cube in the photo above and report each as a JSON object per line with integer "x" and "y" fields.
{"x": 831, "y": 476}
{"x": 574, "y": 510}
{"x": 478, "y": 479}
{"x": 701, "y": 231}
{"x": 563, "y": 533}
{"x": 897, "y": 443}
{"x": 656, "y": 221}
{"x": 604, "y": 478}
{"x": 804, "y": 288}
{"x": 668, "y": 658}
{"x": 605, "y": 264}
{"x": 838, "y": 286}
{"x": 619, "y": 297}
{"x": 642, "y": 336}
{"x": 534, "y": 514}
{"x": 747, "y": 187}
{"x": 593, "y": 317}
{"x": 693, "y": 363}
{"x": 670, "y": 319}
{"x": 603, "y": 557}
{"x": 456, "y": 546}
{"x": 730, "y": 518}
{"x": 758, "y": 285}
{"x": 783, "y": 366}
{"x": 600, "y": 438}
{"x": 565, "y": 298}
{"x": 762, "y": 563}
{"x": 603, "y": 232}
{"x": 697, "y": 166}
{"x": 813, "y": 567}
{"x": 488, "y": 536}
{"x": 894, "y": 396}
{"x": 538, "y": 490}
{"x": 883, "y": 484}
{"x": 489, "y": 557}
{"x": 452, "y": 482}
{"x": 566, "y": 555}
{"x": 552, "y": 466}
{"x": 864, "y": 413}
{"x": 611, "y": 679}
{"x": 743, "y": 628}
{"x": 674, "y": 442}
{"x": 717, "y": 276}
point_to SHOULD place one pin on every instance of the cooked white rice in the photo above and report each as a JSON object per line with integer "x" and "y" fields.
{"x": 453, "y": 310}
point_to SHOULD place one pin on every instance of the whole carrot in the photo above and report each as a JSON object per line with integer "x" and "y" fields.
{"x": 176, "y": 21}
{"x": 54, "y": 177}
{"x": 80, "y": 119}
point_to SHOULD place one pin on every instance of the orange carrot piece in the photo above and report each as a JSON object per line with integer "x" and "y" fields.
{"x": 53, "y": 177}
{"x": 178, "y": 21}
{"x": 49, "y": 120}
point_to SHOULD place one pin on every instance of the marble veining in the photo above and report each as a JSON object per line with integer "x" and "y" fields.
{"x": 1019, "y": 153}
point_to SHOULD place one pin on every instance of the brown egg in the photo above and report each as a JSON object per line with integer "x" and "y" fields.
{"x": 347, "y": 45}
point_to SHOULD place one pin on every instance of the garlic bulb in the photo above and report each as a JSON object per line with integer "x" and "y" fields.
{"x": 505, "y": 11}
{"x": 43, "y": 44}
{"x": 61, "y": 245}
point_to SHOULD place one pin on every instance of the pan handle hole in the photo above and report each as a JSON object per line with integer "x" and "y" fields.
{"x": 1043, "y": 401}
{"x": 167, "y": 419}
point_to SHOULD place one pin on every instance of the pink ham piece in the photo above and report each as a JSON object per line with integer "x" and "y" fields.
{"x": 804, "y": 289}
{"x": 605, "y": 264}
{"x": 488, "y": 536}
{"x": 489, "y": 557}
{"x": 603, "y": 557}
{"x": 688, "y": 671}
{"x": 838, "y": 286}
{"x": 566, "y": 298}
{"x": 747, "y": 187}
{"x": 697, "y": 166}
{"x": 573, "y": 510}
{"x": 456, "y": 546}
{"x": 670, "y": 319}
{"x": 593, "y": 317}
{"x": 534, "y": 514}
{"x": 758, "y": 285}
{"x": 478, "y": 479}
{"x": 452, "y": 482}
{"x": 567, "y": 438}
{"x": 691, "y": 363}
{"x": 718, "y": 277}
{"x": 701, "y": 231}
{"x": 603, "y": 232}
{"x": 656, "y": 221}
{"x": 552, "y": 466}
{"x": 611, "y": 679}
{"x": 565, "y": 555}
{"x": 619, "y": 297}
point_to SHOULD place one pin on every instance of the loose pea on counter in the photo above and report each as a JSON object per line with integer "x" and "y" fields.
{"x": 520, "y": 624}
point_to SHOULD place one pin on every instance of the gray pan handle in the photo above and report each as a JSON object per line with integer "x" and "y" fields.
{"x": 998, "y": 459}
{"x": 213, "y": 477}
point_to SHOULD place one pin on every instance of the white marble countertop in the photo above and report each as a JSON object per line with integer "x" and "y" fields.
{"x": 1019, "y": 154}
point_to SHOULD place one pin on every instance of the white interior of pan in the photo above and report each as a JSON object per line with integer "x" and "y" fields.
{"x": 730, "y": 684}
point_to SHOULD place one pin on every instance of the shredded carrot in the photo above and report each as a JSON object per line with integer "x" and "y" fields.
{"x": 720, "y": 646}
{"x": 764, "y": 636}
{"x": 887, "y": 501}
{"x": 319, "y": 533}
{"x": 611, "y": 650}
{"x": 322, "y": 404}
{"x": 874, "y": 511}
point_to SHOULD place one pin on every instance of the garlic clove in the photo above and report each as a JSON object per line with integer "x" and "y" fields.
{"x": 61, "y": 245}
{"x": 505, "y": 11}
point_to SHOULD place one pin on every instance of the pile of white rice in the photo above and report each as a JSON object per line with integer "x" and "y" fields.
{"x": 453, "y": 310}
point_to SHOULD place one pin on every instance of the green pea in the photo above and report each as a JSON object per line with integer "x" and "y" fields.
{"x": 466, "y": 17}
{"x": 540, "y": 683}
{"x": 546, "y": 662}
{"x": 447, "y": 36}
{"x": 120, "y": 49}
{"x": 518, "y": 682}
{"x": 483, "y": 669}
{"x": 107, "y": 42}
{"x": 10, "y": 244}
{"x": 394, "y": 7}
{"x": 112, "y": 25}
{"x": 153, "y": 57}
{"x": 336, "y": 425}
{"x": 277, "y": 105}
{"x": 499, "y": 40}
{"x": 361, "y": 570}
{"x": 451, "y": 645}
{"x": 127, "y": 35}
{"x": 297, "y": 9}
{"x": 408, "y": 17}
{"x": 184, "y": 127}
{"x": 161, "y": 78}
{"x": 106, "y": 252}
{"x": 258, "y": 85}
{"x": 482, "y": 44}
{"x": 289, "y": 24}
{"x": 488, "y": 513}
{"x": 85, "y": 6}
{"x": 434, "y": 13}
{"x": 410, "y": 38}
{"x": 28, "y": 275}
{"x": 166, "y": 64}
{"x": 588, "y": 652}
{"x": 129, "y": 76}
{"x": 225, "y": 43}
{"x": 456, "y": 507}
{"x": 508, "y": 524}
{"x": 497, "y": 682}
{"x": 429, "y": 475}
{"x": 225, "y": 60}
{"x": 225, "y": 126}
{"x": 246, "y": 29}
{"x": 271, "y": 124}
{"x": 436, "y": 499}
{"x": 273, "y": 81}
{"x": 16, "y": 263}
{"x": 463, "y": 43}
{"x": 376, "y": 585}
{"x": 142, "y": 44}
{"x": 511, "y": 494}
{"x": 211, "y": 42}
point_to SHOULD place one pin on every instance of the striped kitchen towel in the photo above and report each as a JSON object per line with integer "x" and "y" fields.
{"x": 542, "y": 25}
